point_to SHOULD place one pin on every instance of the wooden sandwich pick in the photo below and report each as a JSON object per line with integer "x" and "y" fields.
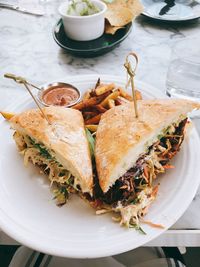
{"x": 21, "y": 80}
{"x": 131, "y": 75}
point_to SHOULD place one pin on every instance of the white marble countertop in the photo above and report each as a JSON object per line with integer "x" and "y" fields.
{"x": 27, "y": 48}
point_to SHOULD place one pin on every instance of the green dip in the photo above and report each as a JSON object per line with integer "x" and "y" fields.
{"x": 82, "y": 8}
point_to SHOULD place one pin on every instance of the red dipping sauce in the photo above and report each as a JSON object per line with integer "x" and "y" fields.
{"x": 60, "y": 95}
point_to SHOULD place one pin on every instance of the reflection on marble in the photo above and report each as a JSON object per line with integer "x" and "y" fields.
{"x": 27, "y": 48}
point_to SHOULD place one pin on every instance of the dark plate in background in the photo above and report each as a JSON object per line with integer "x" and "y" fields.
{"x": 93, "y": 48}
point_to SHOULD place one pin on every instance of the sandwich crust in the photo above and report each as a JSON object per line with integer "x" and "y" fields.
{"x": 65, "y": 136}
{"x": 121, "y": 137}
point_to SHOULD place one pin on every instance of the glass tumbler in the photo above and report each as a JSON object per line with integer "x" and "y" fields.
{"x": 183, "y": 76}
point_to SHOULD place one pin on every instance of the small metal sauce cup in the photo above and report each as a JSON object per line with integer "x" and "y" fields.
{"x": 47, "y": 87}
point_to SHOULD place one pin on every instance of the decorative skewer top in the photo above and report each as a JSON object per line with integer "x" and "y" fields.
{"x": 131, "y": 74}
{"x": 21, "y": 80}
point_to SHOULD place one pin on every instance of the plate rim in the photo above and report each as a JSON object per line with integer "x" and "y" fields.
{"x": 110, "y": 251}
{"x": 130, "y": 25}
{"x": 146, "y": 14}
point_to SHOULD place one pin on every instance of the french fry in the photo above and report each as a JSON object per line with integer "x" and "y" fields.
{"x": 100, "y": 108}
{"x": 87, "y": 95}
{"x": 121, "y": 100}
{"x": 7, "y": 115}
{"x": 111, "y": 103}
{"x": 138, "y": 95}
{"x": 94, "y": 120}
{"x": 124, "y": 94}
{"x": 98, "y": 100}
{"x": 101, "y": 89}
{"x": 113, "y": 96}
{"x": 89, "y": 109}
{"x": 90, "y": 113}
{"x": 93, "y": 93}
{"x": 97, "y": 83}
{"x": 93, "y": 101}
{"x": 92, "y": 127}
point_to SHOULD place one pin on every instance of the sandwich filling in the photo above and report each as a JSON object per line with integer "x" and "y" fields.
{"x": 134, "y": 191}
{"x": 45, "y": 159}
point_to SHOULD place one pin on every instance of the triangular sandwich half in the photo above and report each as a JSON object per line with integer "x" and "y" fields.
{"x": 60, "y": 148}
{"x": 131, "y": 151}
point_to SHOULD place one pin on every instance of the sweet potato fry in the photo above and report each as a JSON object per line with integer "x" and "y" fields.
{"x": 90, "y": 109}
{"x": 7, "y": 115}
{"x": 92, "y": 127}
{"x": 101, "y": 89}
{"x": 111, "y": 103}
{"x": 113, "y": 96}
{"x": 93, "y": 93}
{"x": 89, "y": 114}
{"x": 90, "y": 102}
{"x": 97, "y": 83}
{"x": 100, "y": 108}
{"x": 94, "y": 120}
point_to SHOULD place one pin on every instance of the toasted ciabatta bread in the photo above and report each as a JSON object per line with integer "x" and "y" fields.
{"x": 64, "y": 137}
{"x": 121, "y": 137}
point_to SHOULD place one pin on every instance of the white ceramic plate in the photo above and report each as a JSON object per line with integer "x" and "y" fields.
{"x": 29, "y": 215}
{"x": 172, "y": 11}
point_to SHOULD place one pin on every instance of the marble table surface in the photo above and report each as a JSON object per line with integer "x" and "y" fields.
{"x": 27, "y": 48}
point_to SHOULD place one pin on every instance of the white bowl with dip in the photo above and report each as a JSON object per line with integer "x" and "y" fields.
{"x": 59, "y": 94}
{"x": 83, "y": 28}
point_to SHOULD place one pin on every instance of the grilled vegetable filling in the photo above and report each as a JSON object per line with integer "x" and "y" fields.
{"x": 142, "y": 174}
{"x": 39, "y": 155}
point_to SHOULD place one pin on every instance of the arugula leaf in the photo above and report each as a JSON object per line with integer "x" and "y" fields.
{"x": 91, "y": 141}
{"x": 135, "y": 201}
{"x": 62, "y": 173}
{"x": 137, "y": 228}
{"x": 141, "y": 230}
{"x": 64, "y": 191}
{"x": 43, "y": 151}
{"x": 61, "y": 195}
